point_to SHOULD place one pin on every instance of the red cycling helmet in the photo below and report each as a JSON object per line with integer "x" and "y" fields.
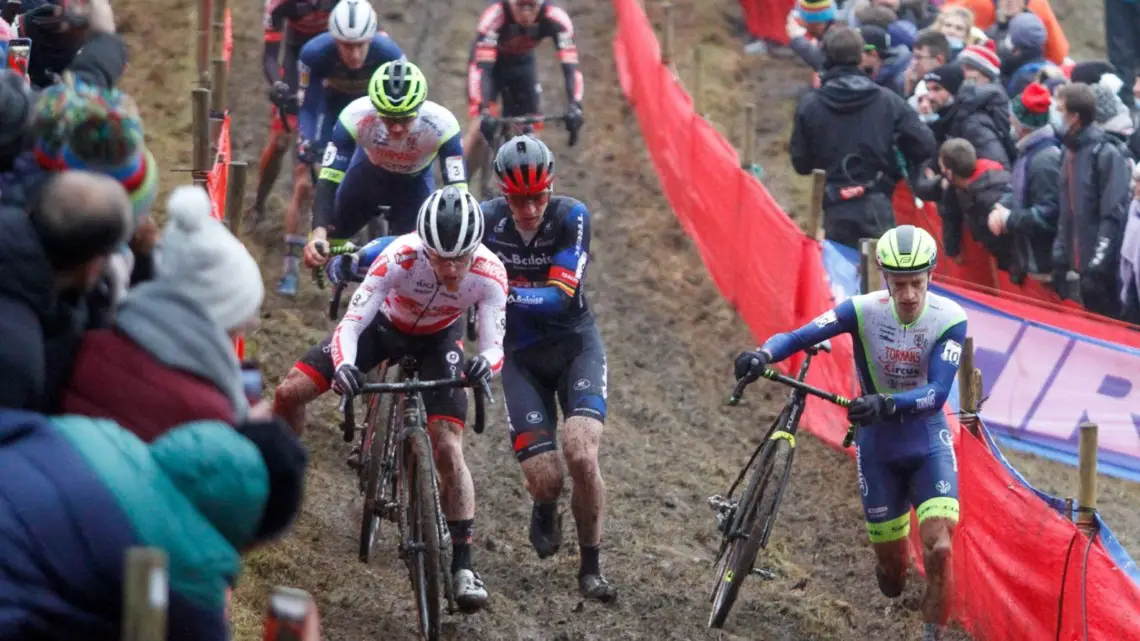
{"x": 524, "y": 165}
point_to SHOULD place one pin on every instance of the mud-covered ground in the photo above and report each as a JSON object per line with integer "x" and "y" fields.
{"x": 669, "y": 441}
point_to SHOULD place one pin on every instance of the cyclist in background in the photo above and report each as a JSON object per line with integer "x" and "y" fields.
{"x": 381, "y": 154}
{"x": 554, "y": 353}
{"x": 502, "y": 64}
{"x": 334, "y": 69}
{"x": 289, "y": 25}
{"x": 908, "y": 342}
{"x": 415, "y": 291}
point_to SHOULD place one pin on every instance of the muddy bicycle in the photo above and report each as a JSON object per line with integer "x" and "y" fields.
{"x": 398, "y": 480}
{"x": 745, "y": 521}
{"x": 505, "y": 128}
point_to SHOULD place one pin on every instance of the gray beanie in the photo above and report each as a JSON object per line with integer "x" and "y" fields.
{"x": 1027, "y": 32}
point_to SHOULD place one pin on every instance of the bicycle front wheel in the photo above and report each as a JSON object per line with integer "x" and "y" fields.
{"x": 424, "y": 565}
{"x": 755, "y": 515}
{"x": 376, "y": 451}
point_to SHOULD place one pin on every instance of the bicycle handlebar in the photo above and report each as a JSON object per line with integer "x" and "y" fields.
{"x": 800, "y": 386}
{"x": 483, "y": 397}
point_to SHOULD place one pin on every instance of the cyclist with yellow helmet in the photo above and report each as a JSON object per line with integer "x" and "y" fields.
{"x": 380, "y": 155}
{"x": 908, "y": 342}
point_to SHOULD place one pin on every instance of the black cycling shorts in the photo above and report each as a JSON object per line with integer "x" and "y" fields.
{"x": 365, "y": 187}
{"x": 572, "y": 369}
{"x": 440, "y": 355}
{"x": 516, "y": 84}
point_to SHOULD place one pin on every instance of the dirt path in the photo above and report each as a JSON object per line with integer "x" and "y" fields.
{"x": 669, "y": 441}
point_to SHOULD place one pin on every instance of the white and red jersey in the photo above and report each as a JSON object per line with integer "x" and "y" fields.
{"x": 402, "y": 285}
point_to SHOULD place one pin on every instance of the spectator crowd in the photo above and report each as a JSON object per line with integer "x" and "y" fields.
{"x": 977, "y": 105}
{"x": 126, "y": 418}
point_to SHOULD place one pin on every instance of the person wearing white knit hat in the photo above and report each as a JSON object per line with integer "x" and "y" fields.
{"x": 201, "y": 258}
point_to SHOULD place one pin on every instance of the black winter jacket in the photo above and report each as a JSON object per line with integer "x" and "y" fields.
{"x": 971, "y": 206}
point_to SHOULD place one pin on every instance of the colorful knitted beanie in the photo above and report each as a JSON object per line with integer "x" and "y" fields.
{"x": 816, "y": 11}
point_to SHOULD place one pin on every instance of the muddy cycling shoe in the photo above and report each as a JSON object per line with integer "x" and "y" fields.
{"x": 287, "y": 286}
{"x": 545, "y": 529}
{"x": 891, "y": 588}
{"x": 595, "y": 587}
{"x": 470, "y": 593}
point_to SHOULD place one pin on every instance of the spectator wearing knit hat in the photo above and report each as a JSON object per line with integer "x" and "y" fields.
{"x": 1111, "y": 114}
{"x": 1026, "y": 57}
{"x": 885, "y": 64}
{"x": 1029, "y": 214}
{"x": 980, "y": 65}
{"x": 995, "y": 16}
{"x": 807, "y": 24}
{"x": 172, "y": 335}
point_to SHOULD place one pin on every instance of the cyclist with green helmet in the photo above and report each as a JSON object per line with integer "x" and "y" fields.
{"x": 380, "y": 155}
{"x": 908, "y": 342}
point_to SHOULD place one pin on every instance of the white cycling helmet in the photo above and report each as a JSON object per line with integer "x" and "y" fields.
{"x": 353, "y": 21}
{"x": 450, "y": 222}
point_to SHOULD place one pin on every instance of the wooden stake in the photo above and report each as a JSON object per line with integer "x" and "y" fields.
{"x": 748, "y": 142}
{"x": 667, "y": 34}
{"x": 146, "y": 592}
{"x": 1086, "y": 491}
{"x": 869, "y": 266}
{"x": 235, "y": 197}
{"x": 218, "y": 32}
{"x": 969, "y": 387}
{"x": 698, "y": 81}
{"x": 202, "y": 54}
{"x": 815, "y": 214}
{"x": 202, "y": 162}
{"x": 217, "y": 98}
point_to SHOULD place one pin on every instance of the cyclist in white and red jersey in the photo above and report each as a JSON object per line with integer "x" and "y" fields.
{"x": 502, "y": 64}
{"x": 415, "y": 291}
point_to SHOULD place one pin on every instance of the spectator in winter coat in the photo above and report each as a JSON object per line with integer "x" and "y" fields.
{"x": 931, "y": 51}
{"x": 1029, "y": 214}
{"x": 1094, "y": 196}
{"x": 850, "y": 128}
{"x": 169, "y": 358}
{"x": 990, "y": 13}
{"x": 885, "y": 64}
{"x": 980, "y": 65}
{"x": 1026, "y": 54}
{"x": 978, "y": 113}
{"x": 49, "y": 261}
{"x": 807, "y": 25}
{"x": 76, "y": 493}
{"x": 975, "y": 187}
{"x": 1130, "y": 257}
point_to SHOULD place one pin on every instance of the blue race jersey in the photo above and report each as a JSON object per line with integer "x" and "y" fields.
{"x": 328, "y": 86}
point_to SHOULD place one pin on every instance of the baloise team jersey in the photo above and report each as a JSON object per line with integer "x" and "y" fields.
{"x": 914, "y": 363}
{"x": 360, "y": 135}
{"x": 547, "y": 299}
{"x": 402, "y": 285}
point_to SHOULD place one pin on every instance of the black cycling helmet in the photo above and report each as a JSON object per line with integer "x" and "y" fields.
{"x": 524, "y": 165}
{"x": 450, "y": 222}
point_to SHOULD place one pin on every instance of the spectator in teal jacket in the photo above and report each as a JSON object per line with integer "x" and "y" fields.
{"x": 75, "y": 493}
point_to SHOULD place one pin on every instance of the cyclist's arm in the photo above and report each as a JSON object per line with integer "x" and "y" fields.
{"x": 487, "y": 53}
{"x": 840, "y": 320}
{"x": 941, "y": 372}
{"x": 281, "y": 10}
{"x": 271, "y": 54}
{"x": 566, "y": 270}
{"x": 450, "y": 156}
{"x": 338, "y": 155}
{"x": 367, "y": 255}
{"x": 491, "y": 319}
{"x": 362, "y": 309}
{"x": 311, "y": 85}
{"x": 567, "y": 54}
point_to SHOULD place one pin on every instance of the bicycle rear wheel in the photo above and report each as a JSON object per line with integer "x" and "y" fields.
{"x": 378, "y": 460}
{"x": 755, "y": 515}
{"x": 424, "y": 564}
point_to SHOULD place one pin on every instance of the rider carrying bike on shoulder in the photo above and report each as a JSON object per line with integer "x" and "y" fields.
{"x": 908, "y": 342}
{"x": 502, "y": 64}
{"x": 554, "y": 353}
{"x": 334, "y": 69}
{"x": 289, "y": 26}
{"x": 415, "y": 291}
{"x": 381, "y": 154}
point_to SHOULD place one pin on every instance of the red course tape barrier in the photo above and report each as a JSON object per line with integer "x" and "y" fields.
{"x": 1012, "y": 550}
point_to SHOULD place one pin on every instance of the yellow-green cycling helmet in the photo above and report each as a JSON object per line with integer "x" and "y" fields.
{"x": 907, "y": 249}
{"x": 397, "y": 89}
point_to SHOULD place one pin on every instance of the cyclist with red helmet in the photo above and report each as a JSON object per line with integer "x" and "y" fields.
{"x": 554, "y": 356}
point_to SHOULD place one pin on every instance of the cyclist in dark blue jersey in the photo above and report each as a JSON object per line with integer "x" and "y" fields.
{"x": 554, "y": 354}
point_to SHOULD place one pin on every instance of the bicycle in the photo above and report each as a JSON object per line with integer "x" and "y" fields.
{"x": 746, "y": 522}
{"x": 504, "y": 129}
{"x": 398, "y": 480}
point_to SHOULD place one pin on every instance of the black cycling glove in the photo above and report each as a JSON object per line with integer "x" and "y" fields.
{"x": 348, "y": 380}
{"x": 869, "y": 409}
{"x": 487, "y": 127}
{"x": 574, "y": 122}
{"x": 751, "y": 365}
{"x": 478, "y": 370}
